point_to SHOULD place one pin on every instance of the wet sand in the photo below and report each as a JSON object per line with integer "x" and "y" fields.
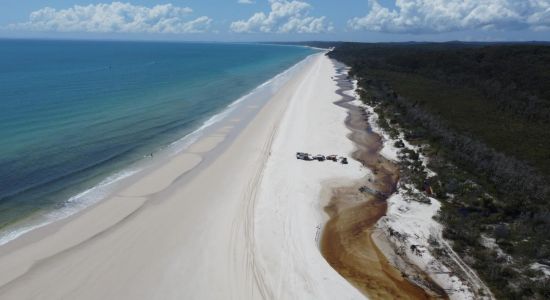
{"x": 347, "y": 242}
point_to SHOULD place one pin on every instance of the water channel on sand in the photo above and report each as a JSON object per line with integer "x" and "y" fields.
{"x": 346, "y": 242}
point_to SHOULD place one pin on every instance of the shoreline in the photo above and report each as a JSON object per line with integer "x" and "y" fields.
{"x": 122, "y": 178}
{"x": 178, "y": 233}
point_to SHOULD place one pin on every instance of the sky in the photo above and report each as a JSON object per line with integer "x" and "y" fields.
{"x": 278, "y": 20}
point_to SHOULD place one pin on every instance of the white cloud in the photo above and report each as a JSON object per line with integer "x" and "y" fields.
{"x": 200, "y": 24}
{"x": 115, "y": 17}
{"x": 422, "y": 16}
{"x": 245, "y": 1}
{"x": 284, "y": 17}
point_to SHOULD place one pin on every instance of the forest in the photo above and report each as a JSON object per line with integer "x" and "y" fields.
{"x": 482, "y": 111}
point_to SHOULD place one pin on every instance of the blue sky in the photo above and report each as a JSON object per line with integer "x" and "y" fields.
{"x": 279, "y": 20}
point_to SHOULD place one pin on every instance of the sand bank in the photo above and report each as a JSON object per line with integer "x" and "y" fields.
{"x": 243, "y": 226}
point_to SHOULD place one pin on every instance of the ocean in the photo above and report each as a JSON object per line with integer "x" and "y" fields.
{"x": 77, "y": 115}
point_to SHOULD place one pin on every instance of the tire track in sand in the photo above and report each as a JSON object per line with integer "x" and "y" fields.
{"x": 243, "y": 229}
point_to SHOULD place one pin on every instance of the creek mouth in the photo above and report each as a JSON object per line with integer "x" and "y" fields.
{"x": 346, "y": 242}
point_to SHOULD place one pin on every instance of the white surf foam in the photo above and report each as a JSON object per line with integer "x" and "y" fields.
{"x": 73, "y": 205}
{"x": 106, "y": 187}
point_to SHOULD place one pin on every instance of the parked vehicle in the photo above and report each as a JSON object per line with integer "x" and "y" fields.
{"x": 301, "y": 155}
{"x": 304, "y": 156}
{"x": 332, "y": 157}
{"x": 319, "y": 157}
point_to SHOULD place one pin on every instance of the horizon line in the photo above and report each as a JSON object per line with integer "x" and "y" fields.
{"x": 92, "y": 39}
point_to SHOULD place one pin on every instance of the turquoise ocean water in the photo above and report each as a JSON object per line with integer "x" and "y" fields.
{"x": 74, "y": 113}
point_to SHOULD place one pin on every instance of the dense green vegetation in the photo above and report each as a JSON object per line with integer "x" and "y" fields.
{"x": 483, "y": 112}
{"x": 505, "y": 83}
{"x": 467, "y": 110}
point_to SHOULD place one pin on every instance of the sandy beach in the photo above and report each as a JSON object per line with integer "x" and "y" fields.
{"x": 243, "y": 224}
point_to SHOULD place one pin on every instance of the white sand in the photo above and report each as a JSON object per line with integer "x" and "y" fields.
{"x": 289, "y": 214}
{"x": 243, "y": 228}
